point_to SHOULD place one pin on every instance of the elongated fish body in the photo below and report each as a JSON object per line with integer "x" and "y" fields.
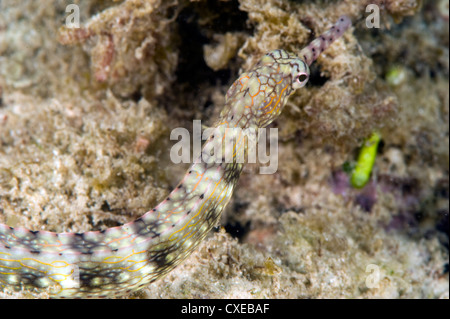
{"x": 121, "y": 260}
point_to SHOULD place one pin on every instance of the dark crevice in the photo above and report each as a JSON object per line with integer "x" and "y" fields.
{"x": 197, "y": 24}
{"x": 237, "y": 230}
{"x": 315, "y": 77}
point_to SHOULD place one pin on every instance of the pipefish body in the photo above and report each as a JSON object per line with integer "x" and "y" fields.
{"x": 121, "y": 260}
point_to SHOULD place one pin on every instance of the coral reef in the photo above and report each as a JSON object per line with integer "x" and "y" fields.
{"x": 85, "y": 117}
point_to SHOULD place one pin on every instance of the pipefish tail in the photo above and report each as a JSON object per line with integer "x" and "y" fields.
{"x": 124, "y": 259}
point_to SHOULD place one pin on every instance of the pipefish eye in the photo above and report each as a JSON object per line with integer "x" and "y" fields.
{"x": 301, "y": 79}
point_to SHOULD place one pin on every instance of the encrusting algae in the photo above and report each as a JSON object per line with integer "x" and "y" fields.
{"x": 85, "y": 120}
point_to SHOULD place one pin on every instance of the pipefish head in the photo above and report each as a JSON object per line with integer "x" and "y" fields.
{"x": 279, "y": 74}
